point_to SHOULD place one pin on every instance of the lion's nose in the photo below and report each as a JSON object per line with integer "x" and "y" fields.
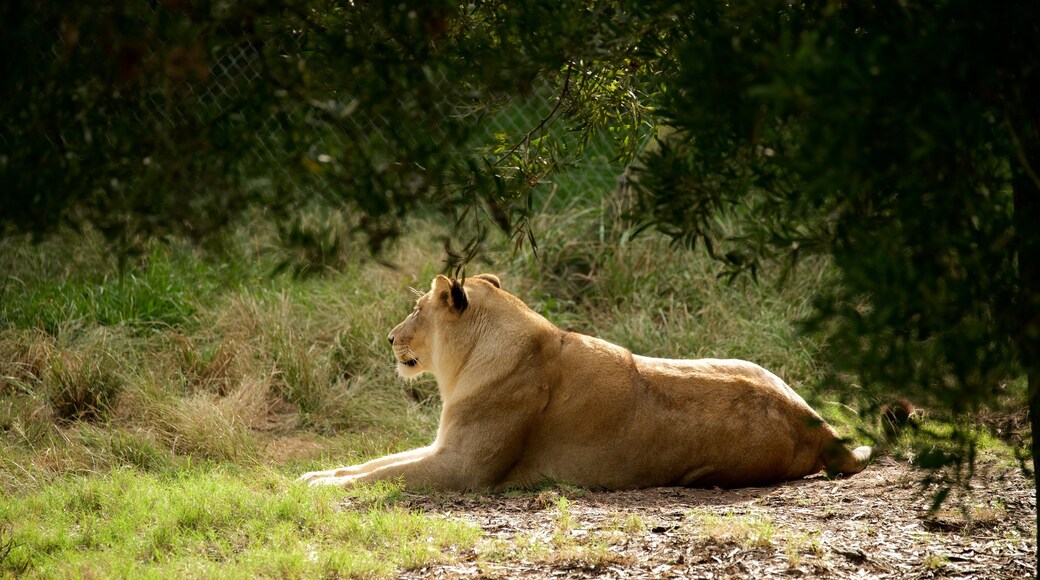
{"x": 390, "y": 337}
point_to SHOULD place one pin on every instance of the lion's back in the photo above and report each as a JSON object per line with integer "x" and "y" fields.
{"x": 670, "y": 422}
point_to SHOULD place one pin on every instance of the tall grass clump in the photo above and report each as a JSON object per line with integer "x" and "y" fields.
{"x": 79, "y": 381}
{"x": 83, "y": 385}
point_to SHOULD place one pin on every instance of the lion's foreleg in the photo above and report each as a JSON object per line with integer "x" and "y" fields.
{"x": 439, "y": 470}
{"x": 317, "y": 477}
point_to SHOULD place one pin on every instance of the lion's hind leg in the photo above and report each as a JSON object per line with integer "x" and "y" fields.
{"x": 838, "y": 459}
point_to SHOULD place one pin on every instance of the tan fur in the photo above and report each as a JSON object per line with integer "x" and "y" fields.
{"x": 525, "y": 402}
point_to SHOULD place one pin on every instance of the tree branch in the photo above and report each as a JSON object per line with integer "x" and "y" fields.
{"x": 545, "y": 120}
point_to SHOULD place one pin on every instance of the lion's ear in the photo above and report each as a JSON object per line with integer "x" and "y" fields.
{"x": 440, "y": 285}
{"x": 490, "y": 278}
{"x": 459, "y": 301}
{"x": 451, "y": 293}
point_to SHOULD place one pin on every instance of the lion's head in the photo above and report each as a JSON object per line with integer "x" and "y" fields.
{"x": 436, "y": 335}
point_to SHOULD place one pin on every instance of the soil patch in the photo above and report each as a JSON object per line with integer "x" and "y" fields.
{"x": 875, "y": 524}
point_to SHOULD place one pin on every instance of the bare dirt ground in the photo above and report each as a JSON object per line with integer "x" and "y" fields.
{"x": 876, "y": 524}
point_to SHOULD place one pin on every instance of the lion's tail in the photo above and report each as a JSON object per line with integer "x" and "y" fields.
{"x": 839, "y": 459}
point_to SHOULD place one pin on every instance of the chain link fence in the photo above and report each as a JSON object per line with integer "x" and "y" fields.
{"x": 236, "y": 69}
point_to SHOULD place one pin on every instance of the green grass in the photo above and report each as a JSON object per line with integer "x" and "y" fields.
{"x": 213, "y": 521}
{"x": 152, "y": 418}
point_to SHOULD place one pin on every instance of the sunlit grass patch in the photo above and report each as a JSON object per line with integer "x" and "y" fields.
{"x": 211, "y": 520}
{"x": 574, "y": 545}
{"x": 744, "y": 529}
{"x": 627, "y": 524}
{"x": 567, "y": 542}
{"x": 797, "y": 545}
{"x": 934, "y": 562}
{"x": 936, "y": 442}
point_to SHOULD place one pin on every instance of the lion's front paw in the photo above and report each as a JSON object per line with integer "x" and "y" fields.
{"x": 338, "y": 473}
{"x": 312, "y": 476}
{"x": 330, "y": 480}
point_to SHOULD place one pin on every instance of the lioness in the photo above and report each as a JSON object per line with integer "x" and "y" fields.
{"x": 525, "y": 402}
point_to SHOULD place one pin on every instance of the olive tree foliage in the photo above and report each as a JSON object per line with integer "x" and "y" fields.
{"x": 900, "y": 139}
{"x": 135, "y": 116}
